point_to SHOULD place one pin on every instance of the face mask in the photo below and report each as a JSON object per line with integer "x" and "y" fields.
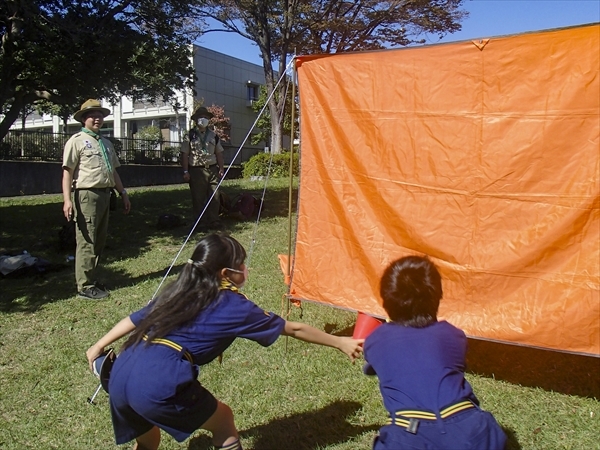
{"x": 203, "y": 122}
{"x": 244, "y": 272}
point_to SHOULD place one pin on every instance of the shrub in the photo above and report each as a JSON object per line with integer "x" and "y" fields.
{"x": 258, "y": 165}
{"x": 171, "y": 154}
{"x": 150, "y": 133}
{"x": 7, "y": 152}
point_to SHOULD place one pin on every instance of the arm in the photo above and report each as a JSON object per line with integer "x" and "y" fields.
{"x": 221, "y": 164}
{"x": 124, "y": 327}
{"x": 67, "y": 182}
{"x": 219, "y": 154}
{"x": 351, "y": 347}
{"x": 121, "y": 190}
{"x": 185, "y": 160}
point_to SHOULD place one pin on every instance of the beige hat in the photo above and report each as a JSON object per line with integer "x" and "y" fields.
{"x": 201, "y": 111}
{"x": 90, "y": 105}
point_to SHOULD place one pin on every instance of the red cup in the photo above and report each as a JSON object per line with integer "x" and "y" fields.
{"x": 365, "y": 324}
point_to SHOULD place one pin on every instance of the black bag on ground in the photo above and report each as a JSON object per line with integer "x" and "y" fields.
{"x": 247, "y": 205}
{"x": 168, "y": 221}
{"x": 66, "y": 236}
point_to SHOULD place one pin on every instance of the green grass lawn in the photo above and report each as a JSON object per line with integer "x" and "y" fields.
{"x": 291, "y": 395}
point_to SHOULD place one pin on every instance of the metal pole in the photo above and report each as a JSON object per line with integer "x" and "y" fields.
{"x": 91, "y": 399}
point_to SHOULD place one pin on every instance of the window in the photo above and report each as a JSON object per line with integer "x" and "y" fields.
{"x": 252, "y": 92}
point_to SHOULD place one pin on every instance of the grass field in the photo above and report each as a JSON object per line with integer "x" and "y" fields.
{"x": 291, "y": 395}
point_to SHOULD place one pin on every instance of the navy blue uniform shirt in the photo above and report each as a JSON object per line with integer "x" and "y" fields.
{"x": 418, "y": 368}
{"x": 232, "y": 315}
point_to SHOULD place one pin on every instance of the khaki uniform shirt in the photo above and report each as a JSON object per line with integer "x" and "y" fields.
{"x": 84, "y": 156}
{"x": 201, "y": 147}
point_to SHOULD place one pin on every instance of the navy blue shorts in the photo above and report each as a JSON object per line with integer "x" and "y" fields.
{"x": 473, "y": 429}
{"x": 155, "y": 386}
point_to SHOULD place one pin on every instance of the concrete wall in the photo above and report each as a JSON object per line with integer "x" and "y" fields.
{"x": 31, "y": 178}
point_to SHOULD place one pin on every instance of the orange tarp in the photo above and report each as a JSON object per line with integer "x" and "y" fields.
{"x": 483, "y": 155}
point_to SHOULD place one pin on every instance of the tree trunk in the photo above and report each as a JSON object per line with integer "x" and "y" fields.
{"x": 275, "y": 107}
{"x": 276, "y": 128}
{"x": 9, "y": 118}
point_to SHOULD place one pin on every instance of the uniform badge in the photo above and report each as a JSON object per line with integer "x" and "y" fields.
{"x": 88, "y": 144}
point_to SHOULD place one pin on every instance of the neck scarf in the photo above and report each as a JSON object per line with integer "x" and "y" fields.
{"x": 102, "y": 147}
{"x": 202, "y": 136}
{"x": 227, "y": 285}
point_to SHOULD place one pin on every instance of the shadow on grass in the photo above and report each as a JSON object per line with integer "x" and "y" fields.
{"x": 511, "y": 440}
{"x": 533, "y": 367}
{"x": 35, "y": 227}
{"x": 309, "y": 430}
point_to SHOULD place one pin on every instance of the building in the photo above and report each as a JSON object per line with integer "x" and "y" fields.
{"x": 221, "y": 80}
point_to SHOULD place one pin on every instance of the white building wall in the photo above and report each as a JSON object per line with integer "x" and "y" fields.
{"x": 222, "y": 80}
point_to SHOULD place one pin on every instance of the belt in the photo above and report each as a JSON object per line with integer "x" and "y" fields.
{"x": 203, "y": 166}
{"x": 94, "y": 189}
{"x": 400, "y": 417}
{"x": 173, "y": 345}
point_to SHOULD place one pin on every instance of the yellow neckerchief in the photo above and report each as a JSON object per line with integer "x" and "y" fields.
{"x": 228, "y": 285}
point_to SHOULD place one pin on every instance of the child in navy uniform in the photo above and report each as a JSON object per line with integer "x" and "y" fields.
{"x": 153, "y": 383}
{"x": 420, "y": 363}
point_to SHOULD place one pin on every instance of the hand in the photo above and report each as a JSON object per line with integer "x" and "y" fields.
{"x": 126, "y": 203}
{"x": 186, "y": 177}
{"x": 221, "y": 172}
{"x": 351, "y": 347}
{"x": 68, "y": 210}
{"x": 92, "y": 353}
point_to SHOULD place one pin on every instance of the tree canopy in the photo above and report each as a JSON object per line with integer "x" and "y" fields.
{"x": 281, "y": 28}
{"x": 58, "y": 53}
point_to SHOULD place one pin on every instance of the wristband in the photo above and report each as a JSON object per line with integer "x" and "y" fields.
{"x": 123, "y": 192}
{"x": 185, "y": 171}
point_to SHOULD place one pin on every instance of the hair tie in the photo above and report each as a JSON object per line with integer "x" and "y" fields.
{"x": 190, "y": 261}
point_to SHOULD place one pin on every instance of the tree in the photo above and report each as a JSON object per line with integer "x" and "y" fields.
{"x": 281, "y": 28}
{"x": 58, "y": 52}
{"x": 220, "y": 124}
{"x": 264, "y": 121}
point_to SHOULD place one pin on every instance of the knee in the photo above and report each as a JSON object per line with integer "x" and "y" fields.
{"x": 222, "y": 426}
{"x": 149, "y": 440}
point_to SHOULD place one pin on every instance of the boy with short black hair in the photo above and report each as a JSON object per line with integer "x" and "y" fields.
{"x": 420, "y": 363}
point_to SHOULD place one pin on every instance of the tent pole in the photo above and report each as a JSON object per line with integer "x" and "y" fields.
{"x": 289, "y": 261}
{"x": 290, "y": 191}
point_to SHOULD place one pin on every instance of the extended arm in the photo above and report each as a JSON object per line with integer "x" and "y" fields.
{"x": 124, "y": 327}
{"x": 351, "y": 347}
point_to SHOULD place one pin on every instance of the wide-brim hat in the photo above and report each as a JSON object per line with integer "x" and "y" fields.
{"x": 103, "y": 365}
{"x": 90, "y": 105}
{"x": 201, "y": 111}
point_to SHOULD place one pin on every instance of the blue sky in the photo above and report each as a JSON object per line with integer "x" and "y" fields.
{"x": 486, "y": 18}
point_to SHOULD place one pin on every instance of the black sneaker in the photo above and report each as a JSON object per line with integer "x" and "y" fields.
{"x": 93, "y": 293}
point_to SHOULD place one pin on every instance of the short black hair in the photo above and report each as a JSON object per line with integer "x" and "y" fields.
{"x": 411, "y": 290}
